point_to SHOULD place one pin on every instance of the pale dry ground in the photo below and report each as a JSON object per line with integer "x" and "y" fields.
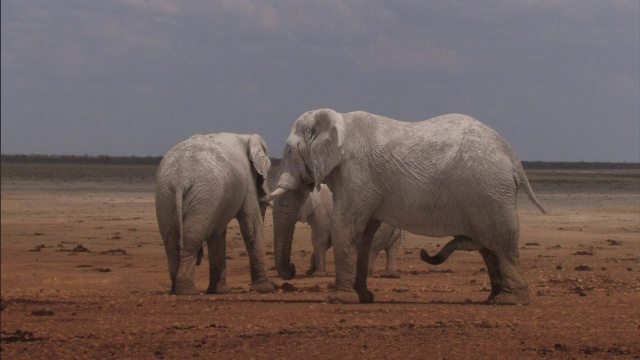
{"x": 112, "y": 301}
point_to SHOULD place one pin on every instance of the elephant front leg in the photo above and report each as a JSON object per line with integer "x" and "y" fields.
{"x": 344, "y": 250}
{"x": 217, "y": 248}
{"x": 252, "y": 231}
{"x": 352, "y": 263}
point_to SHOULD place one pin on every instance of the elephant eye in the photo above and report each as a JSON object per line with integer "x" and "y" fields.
{"x": 312, "y": 133}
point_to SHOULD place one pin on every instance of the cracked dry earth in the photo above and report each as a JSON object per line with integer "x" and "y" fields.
{"x": 84, "y": 276}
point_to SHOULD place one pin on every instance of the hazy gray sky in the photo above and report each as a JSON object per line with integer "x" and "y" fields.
{"x": 559, "y": 79}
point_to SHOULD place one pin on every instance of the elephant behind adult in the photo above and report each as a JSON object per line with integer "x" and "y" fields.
{"x": 447, "y": 176}
{"x": 201, "y": 185}
{"x": 316, "y": 210}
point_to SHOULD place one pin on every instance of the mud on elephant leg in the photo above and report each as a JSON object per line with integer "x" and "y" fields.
{"x": 217, "y": 248}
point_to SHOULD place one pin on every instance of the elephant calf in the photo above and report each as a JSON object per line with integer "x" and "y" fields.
{"x": 316, "y": 210}
{"x": 201, "y": 185}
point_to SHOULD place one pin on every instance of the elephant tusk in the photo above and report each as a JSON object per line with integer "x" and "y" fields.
{"x": 277, "y": 193}
{"x": 266, "y": 200}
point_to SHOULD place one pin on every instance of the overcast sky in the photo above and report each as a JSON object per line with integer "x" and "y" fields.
{"x": 558, "y": 79}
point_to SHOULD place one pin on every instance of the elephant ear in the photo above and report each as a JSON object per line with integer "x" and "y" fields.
{"x": 325, "y": 144}
{"x": 258, "y": 155}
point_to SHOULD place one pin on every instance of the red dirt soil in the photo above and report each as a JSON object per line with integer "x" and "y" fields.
{"x": 84, "y": 275}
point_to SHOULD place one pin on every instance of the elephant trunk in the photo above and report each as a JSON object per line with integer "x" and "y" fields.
{"x": 285, "y": 216}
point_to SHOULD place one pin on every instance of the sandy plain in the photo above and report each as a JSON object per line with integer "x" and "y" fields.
{"x": 84, "y": 276}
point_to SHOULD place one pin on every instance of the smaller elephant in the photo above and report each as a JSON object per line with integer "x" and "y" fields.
{"x": 202, "y": 184}
{"x": 317, "y": 209}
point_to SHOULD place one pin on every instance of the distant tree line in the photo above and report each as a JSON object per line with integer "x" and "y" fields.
{"x": 155, "y": 160}
{"x": 81, "y": 159}
{"x": 87, "y": 159}
{"x": 579, "y": 165}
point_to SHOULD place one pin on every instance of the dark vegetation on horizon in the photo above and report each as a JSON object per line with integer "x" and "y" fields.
{"x": 155, "y": 160}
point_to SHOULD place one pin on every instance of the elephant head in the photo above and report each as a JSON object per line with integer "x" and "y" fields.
{"x": 313, "y": 150}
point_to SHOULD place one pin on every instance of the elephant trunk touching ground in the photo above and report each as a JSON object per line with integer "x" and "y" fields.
{"x": 285, "y": 216}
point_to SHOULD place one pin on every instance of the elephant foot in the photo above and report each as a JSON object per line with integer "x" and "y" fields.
{"x": 318, "y": 274}
{"x": 187, "y": 290}
{"x": 263, "y": 287}
{"x": 218, "y": 289}
{"x": 365, "y": 296}
{"x": 344, "y": 297}
{"x": 510, "y": 298}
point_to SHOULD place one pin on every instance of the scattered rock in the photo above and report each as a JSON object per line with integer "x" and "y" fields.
{"x": 286, "y": 287}
{"x": 80, "y": 248}
{"x": 114, "y": 252}
{"x": 532, "y": 244}
{"x": 613, "y": 242}
{"x": 559, "y": 267}
{"x": 555, "y": 247}
{"x": 37, "y": 248}
{"x": 42, "y": 313}
{"x": 583, "y": 268}
{"x": 583, "y": 253}
{"x": 19, "y": 336}
{"x": 37, "y": 233}
{"x": 103, "y": 270}
{"x": 314, "y": 288}
{"x": 560, "y": 347}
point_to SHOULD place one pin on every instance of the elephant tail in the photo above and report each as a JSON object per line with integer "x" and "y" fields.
{"x": 179, "y": 218}
{"x": 458, "y": 243}
{"x": 522, "y": 180}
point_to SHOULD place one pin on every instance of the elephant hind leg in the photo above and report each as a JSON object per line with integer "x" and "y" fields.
{"x": 493, "y": 268}
{"x": 508, "y": 284}
{"x": 217, "y": 248}
{"x": 172, "y": 249}
{"x": 514, "y": 289}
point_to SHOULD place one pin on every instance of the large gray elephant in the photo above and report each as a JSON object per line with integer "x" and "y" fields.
{"x": 446, "y": 176}
{"x": 316, "y": 210}
{"x": 201, "y": 185}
